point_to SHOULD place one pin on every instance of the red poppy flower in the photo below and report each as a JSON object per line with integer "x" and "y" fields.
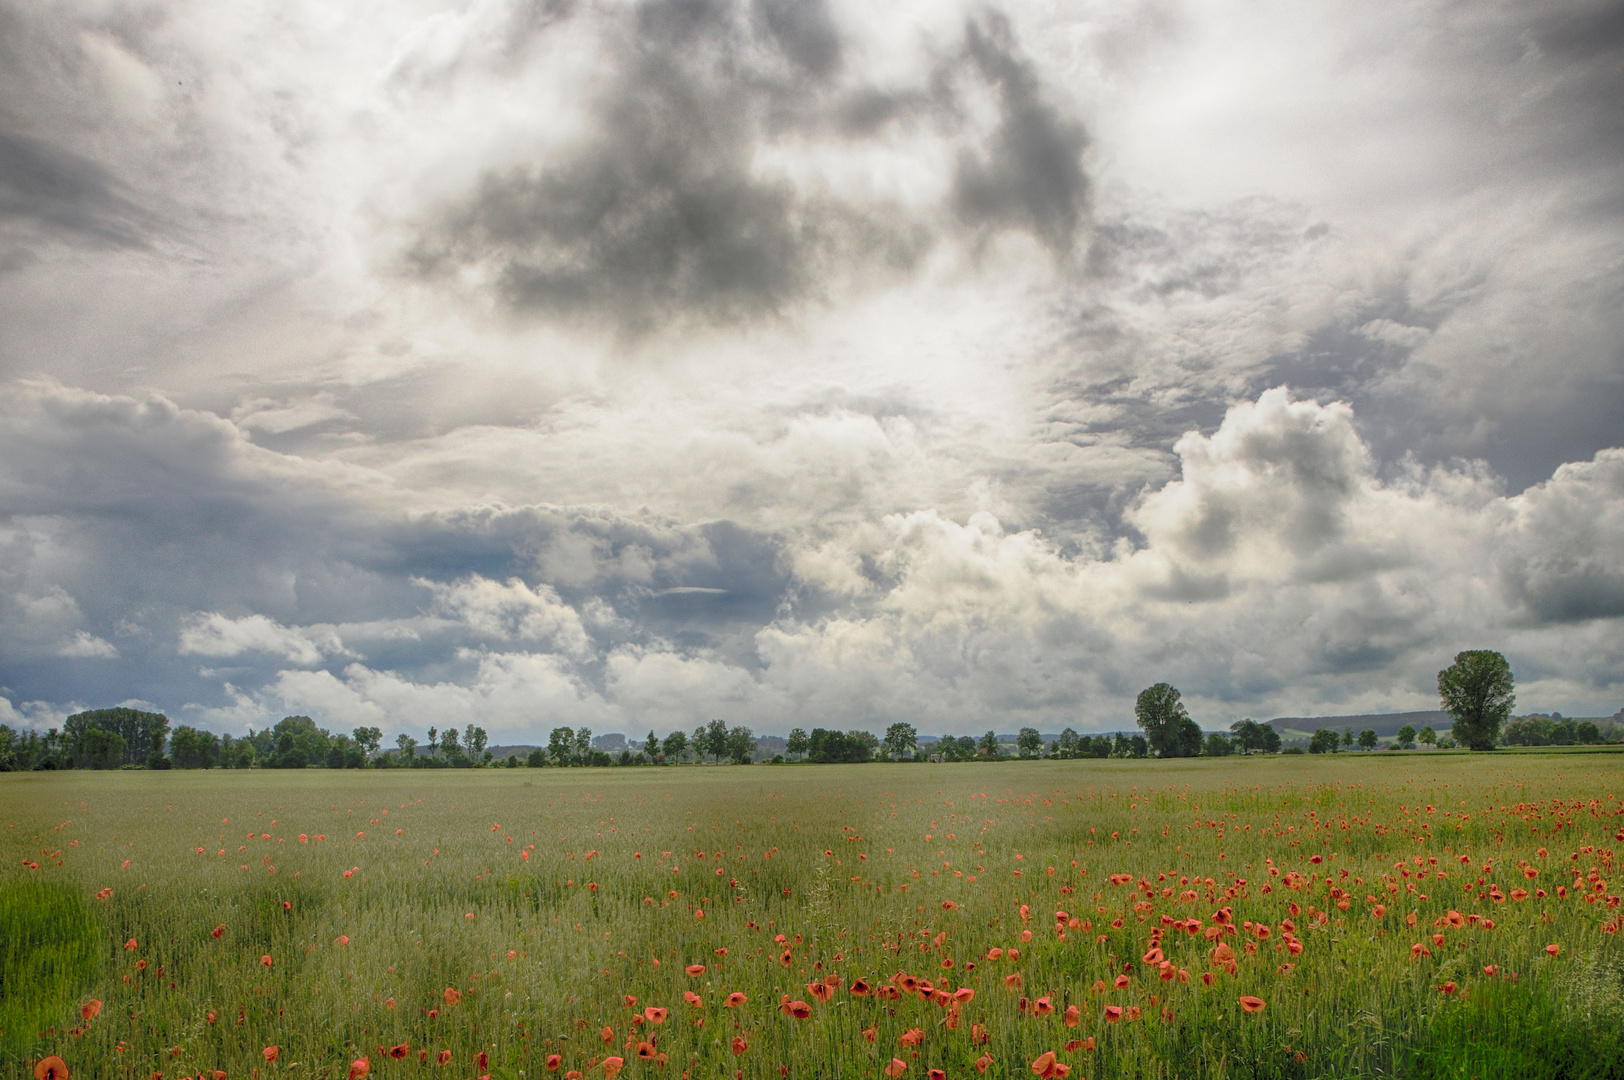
{"x": 860, "y": 988}
{"x": 360, "y": 1068}
{"x": 739, "y": 1045}
{"x": 646, "y": 1051}
{"x": 695, "y": 970}
{"x": 400, "y": 1050}
{"x": 656, "y": 1015}
{"x": 90, "y": 1008}
{"x": 800, "y": 1010}
{"x": 443, "y": 1057}
{"x": 982, "y": 1062}
{"x": 218, "y": 931}
{"x": 870, "y": 1034}
{"x": 734, "y": 1000}
{"x": 1043, "y": 1006}
{"x": 452, "y": 995}
{"x": 51, "y": 1068}
{"x": 612, "y": 1067}
{"x": 1073, "y": 1016}
{"x": 896, "y": 1068}
{"x": 1113, "y": 1013}
{"x": 271, "y": 1053}
{"x": 265, "y": 960}
{"x": 937, "y": 1074}
{"x": 820, "y": 991}
{"x": 554, "y": 1061}
{"x": 1252, "y": 1004}
{"x": 1046, "y": 1066}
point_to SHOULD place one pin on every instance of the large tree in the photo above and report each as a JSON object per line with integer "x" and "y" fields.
{"x": 143, "y": 733}
{"x": 901, "y": 740}
{"x": 797, "y": 742}
{"x": 1477, "y": 692}
{"x": 1168, "y": 729}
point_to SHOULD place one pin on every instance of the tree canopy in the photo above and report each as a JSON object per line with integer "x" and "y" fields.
{"x": 1477, "y": 691}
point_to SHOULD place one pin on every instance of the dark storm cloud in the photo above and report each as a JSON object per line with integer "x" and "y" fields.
{"x": 661, "y": 215}
{"x": 1029, "y": 176}
{"x": 63, "y": 195}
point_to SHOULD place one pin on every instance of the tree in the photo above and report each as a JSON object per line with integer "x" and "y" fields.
{"x": 194, "y": 749}
{"x": 710, "y": 740}
{"x": 1323, "y": 742}
{"x": 740, "y": 744}
{"x": 474, "y": 738}
{"x": 1028, "y": 743}
{"x": 1406, "y": 736}
{"x": 537, "y": 758}
{"x": 451, "y": 743}
{"x": 1477, "y": 692}
{"x": 651, "y": 747}
{"x": 142, "y": 732}
{"x": 962, "y": 748}
{"x": 1427, "y": 735}
{"x": 344, "y": 752}
{"x": 583, "y": 745}
{"x": 901, "y": 740}
{"x": 676, "y": 745}
{"x": 825, "y": 746}
{"x": 434, "y": 742}
{"x": 1159, "y": 711}
{"x": 1347, "y": 738}
{"x": 797, "y": 742}
{"x": 1217, "y": 744}
{"x": 408, "y": 748}
{"x": 1068, "y": 744}
{"x": 1587, "y": 733}
{"x": 368, "y": 739}
{"x": 98, "y": 749}
{"x": 1367, "y": 739}
{"x": 988, "y": 745}
{"x": 297, "y": 743}
{"x": 561, "y": 745}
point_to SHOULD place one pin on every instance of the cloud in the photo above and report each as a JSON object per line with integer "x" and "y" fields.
{"x": 85, "y": 645}
{"x": 213, "y": 634}
{"x": 512, "y": 610}
{"x": 1561, "y": 560}
{"x": 665, "y": 211}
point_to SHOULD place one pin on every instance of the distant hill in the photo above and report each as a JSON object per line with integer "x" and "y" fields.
{"x": 1385, "y": 725}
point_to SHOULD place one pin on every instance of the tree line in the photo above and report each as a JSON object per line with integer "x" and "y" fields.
{"x": 1477, "y": 692}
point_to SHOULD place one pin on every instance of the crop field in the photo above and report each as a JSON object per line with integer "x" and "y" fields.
{"x": 1421, "y": 915}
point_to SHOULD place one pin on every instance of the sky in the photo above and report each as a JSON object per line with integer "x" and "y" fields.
{"x": 631, "y": 363}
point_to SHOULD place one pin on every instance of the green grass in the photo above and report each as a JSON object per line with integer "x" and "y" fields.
{"x": 51, "y": 949}
{"x": 543, "y": 960}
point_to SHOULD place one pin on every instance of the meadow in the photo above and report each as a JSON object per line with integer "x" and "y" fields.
{"x": 1427, "y": 915}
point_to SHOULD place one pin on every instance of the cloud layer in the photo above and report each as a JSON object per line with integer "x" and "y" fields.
{"x": 632, "y": 363}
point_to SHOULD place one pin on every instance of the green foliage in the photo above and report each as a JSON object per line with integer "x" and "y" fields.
{"x": 1217, "y": 744}
{"x": 1324, "y": 742}
{"x": 1406, "y": 736}
{"x": 50, "y": 952}
{"x": 1254, "y": 737}
{"x": 797, "y": 742}
{"x": 901, "y": 740}
{"x": 840, "y": 746}
{"x": 141, "y": 732}
{"x": 1367, "y": 739}
{"x": 194, "y": 749}
{"x": 1159, "y": 711}
{"x": 1523, "y": 1029}
{"x": 1028, "y": 743}
{"x": 1477, "y": 692}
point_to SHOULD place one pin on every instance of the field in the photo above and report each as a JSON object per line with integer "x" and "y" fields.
{"x": 1398, "y": 915}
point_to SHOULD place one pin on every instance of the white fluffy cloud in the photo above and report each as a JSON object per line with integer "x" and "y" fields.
{"x": 213, "y": 634}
